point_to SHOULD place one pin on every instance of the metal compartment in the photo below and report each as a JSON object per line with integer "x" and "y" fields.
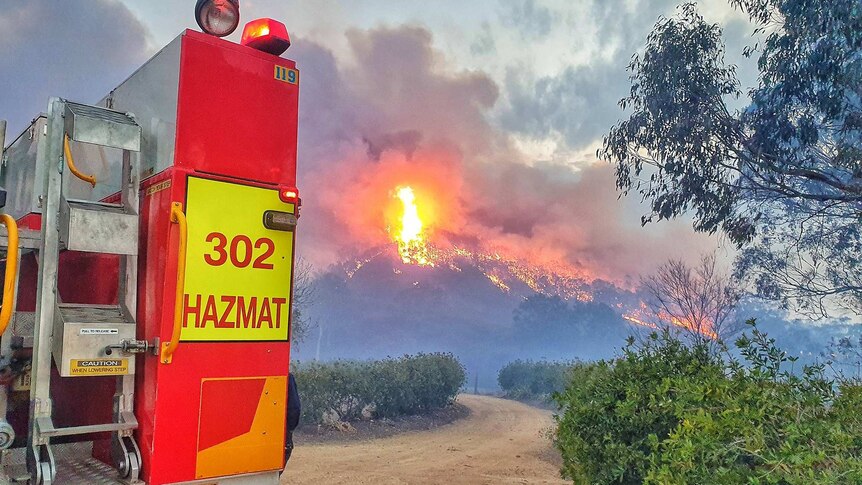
{"x": 151, "y": 93}
{"x": 20, "y": 175}
{"x": 83, "y": 333}
{"x": 87, "y": 124}
{"x": 98, "y": 228}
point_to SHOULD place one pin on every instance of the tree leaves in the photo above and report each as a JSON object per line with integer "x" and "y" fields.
{"x": 777, "y": 177}
{"x": 664, "y": 412}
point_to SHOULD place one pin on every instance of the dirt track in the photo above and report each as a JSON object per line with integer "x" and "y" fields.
{"x": 500, "y": 442}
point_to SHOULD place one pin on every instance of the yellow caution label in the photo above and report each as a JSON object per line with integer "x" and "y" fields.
{"x": 156, "y": 188}
{"x": 238, "y": 272}
{"x": 99, "y": 367}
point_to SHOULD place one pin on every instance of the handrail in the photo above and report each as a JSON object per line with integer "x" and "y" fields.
{"x": 71, "y": 163}
{"x": 178, "y": 218}
{"x": 11, "y": 270}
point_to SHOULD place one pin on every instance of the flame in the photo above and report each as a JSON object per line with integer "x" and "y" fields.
{"x": 646, "y": 317}
{"x": 409, "y": 227}
{"x": 637, "y": 321}
{"x": 498, "y": 282}
{"x": 410, "y": 233}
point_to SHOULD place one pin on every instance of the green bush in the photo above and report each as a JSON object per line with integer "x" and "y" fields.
{"x": 666, "y": 413}
{"x": 534, "y": 380}
{"x": 385, "y": 388}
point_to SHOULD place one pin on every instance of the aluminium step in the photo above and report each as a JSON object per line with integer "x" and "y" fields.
{"x": 75, "y": 466}
{"x": 93, "y": 314}
{"x": 102, "y": 126}
{"x": 98, "y": 227}
{"x": 27, "y": 239}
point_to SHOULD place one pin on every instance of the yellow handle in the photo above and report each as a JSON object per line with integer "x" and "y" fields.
{"x": 11, "y": 270}
{"x": 168, "y": 348}
{"x": 71, "y": 163}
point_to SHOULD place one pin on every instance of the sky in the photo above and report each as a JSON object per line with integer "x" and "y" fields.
{"x": 494, "y": 109}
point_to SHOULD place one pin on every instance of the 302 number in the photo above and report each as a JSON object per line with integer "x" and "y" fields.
{"x": 240, "y": 251}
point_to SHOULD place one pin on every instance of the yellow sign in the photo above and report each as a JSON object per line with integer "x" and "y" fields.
{"x": 286, "y": 74}
{"x": 155, "y": 188}
{"x": 99, "y": 367}
{"x": 238, "y": 272}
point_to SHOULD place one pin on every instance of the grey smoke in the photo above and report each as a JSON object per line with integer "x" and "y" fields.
{"x": 77, "y": 50}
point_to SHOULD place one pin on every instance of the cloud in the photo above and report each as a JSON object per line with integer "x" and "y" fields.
{"x": 532, "y": 20}
{"x": 549, "y": 213}
{"x": 390, "y": 111}
{"x": 579, "y": 103}
{"x": 397, "y": 114}
{"x": 484, "y": 43}
{"x": 76, "y": 50}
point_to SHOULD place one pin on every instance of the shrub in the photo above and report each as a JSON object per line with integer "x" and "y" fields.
{"x": 666, "y": 413}
{"x": 534, "y": 380}
{"x": 386, "y": 388}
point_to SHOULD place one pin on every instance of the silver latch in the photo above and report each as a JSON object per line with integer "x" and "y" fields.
{"x": 129, "y": 347}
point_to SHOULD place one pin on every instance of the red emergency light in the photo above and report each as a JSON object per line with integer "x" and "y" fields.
{"x": 266, "y": 35}
{"x": 289, "y": 195}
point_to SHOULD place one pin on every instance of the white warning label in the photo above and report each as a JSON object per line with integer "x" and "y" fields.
{"x": 100, "y": 331}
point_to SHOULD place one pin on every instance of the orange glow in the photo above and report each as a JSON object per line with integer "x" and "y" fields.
{"x": 646, "y": 317}
{"x": 255, "y": 29}
{"x": 266, "y": 35}
{"x": 291, "y": 195}
{"x": 638, "y": 321}
{"x": 409, "y": 231}
{"x": 434, "y": 229}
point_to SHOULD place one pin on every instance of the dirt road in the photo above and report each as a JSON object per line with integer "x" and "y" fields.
{"x": 500, "y": 442}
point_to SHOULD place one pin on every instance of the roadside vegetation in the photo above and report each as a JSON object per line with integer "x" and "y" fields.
{"x": 776, "y": 169}
{"x": 355, "y": 390}
{"x": 534, "y": 380}
{"x": 668, "y": 412}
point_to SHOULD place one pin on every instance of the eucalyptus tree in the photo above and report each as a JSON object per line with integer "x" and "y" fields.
{"x": 782, "y": 177}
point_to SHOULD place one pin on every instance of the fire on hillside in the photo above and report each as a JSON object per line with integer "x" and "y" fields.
{"x": 413, "y": 238}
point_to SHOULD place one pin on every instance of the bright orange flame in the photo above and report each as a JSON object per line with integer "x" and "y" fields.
{"x": 410, "y": 233}
{"x": 643, "y": 316}
{"x": 638, "y": 321}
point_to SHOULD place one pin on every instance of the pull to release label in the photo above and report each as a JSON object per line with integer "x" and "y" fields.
{"x": 100, "y": 331}
{"x": 238, "y": 271}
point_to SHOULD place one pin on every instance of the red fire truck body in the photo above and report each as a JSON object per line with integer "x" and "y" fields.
{"x": 196, "y": 392}
{"x": 236, "y": 127}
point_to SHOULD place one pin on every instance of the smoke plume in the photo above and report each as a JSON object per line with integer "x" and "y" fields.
{"x": 395, "y": 113}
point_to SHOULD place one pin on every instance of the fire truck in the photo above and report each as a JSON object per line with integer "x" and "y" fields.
{"x": 149, "y": 253}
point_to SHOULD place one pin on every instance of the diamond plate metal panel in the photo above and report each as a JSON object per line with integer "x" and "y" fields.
{"x": 75, "y": 466}
{"x": 88, "y": 471}
{"x": 23, "y": 324}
